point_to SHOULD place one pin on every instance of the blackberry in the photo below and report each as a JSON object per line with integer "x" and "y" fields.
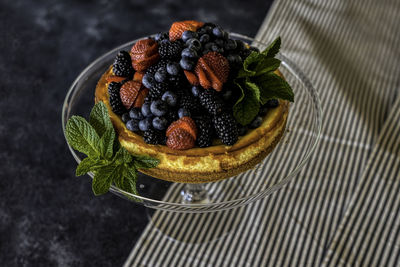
{"x": 175, "y": 82}
{"x": 161, "y": 36}
{"x": 158, "y": 90}
{"x": 123, "y": 64}
{"x": 153, "y": 137}
{"x": 160, "y": 64}
{"x": 172, "y": 115}
{"x": 226, "y": 128}
{"x": 189, "y": 102}
{"x": 205, "y": 131}
{"x": 170, "y": 50}
{"x": 115, "y": 100}
{"x": 211, "y": 102}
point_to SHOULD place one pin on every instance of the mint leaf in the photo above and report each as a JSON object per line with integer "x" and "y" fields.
{"x": 100, "y": 119}
{"x": 103, "y": 179}
{"x": 122, "y": 156}
{"x": 247, "y": 65}
{"x": 273, "y": 86}
{"x": 273, "y": 48}
{"x": 107, "y": 143}
{"x": 129, "y": 183}
{"x": 244, "y": 111}
{"x": 145, "y": 162}
{"x": 85, "y": 166}
{"x": 254, "y": 88}
{"x": 81, "y": 136}
{"x": 266, "y": 65}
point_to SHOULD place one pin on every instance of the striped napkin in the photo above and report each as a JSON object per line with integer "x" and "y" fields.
{"x": 343, "y": 208}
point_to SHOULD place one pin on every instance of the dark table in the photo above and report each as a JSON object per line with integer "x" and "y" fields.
{"x": 47, "y": 216}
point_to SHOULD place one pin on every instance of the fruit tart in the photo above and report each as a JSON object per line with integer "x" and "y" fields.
{"x": 207, "y": 106}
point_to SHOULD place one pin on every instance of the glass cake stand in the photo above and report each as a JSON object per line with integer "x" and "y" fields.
{"x": 276, "y": 170}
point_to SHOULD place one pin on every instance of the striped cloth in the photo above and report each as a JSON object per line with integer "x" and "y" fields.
{"x": 343, "y": 207}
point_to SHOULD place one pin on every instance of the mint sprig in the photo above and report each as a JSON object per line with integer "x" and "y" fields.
{"x": 106, "y": 158}
{"x": 257, "y": 83}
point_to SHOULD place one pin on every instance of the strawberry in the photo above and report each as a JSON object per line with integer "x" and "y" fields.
{"x": 114, "y": 78}
{"x": 140, "y": 98}
{"x": 177, "y": 28}
{"x": 185, "y": 123}
{"x": 180, "y": 139}
{"x": 138, "y": 76}
{"x": 212, "y": 70}
{"x": 129, "y": 92}
{"x": 191, "y": 77}
{"x": 144, "y": 54}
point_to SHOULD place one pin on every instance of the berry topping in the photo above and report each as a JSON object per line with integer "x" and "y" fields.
{"x": 133, "y": 125}
{"x": 170, "y": 98}
{"x": 138, "y": 76}
{"x": 158, "y": 89}
{"x": 170, "y": 50}
{"x": 190, "y": 103}
{"x": 115, "y": 100}
{"x": 148, "y": 80}
{"x": 191, "y": 77}
{"x": 129, "y": 92}
{"x": 186, "y": 63}
{"x": 141, "y": 97}
{"x": 183, "y": 112}
{"x": 160, "y": 123}
{"x": 144, "y": 54}
{"x": 161, "y": 75}
{"x": 153, "y": 137}
{"x": 161, "y": 36}
{"x": 145, "y": 109}
{"x": 177, "y": 28}
{"x": 114, "y": 78}
{"x": 136, "y": 114}
{"x": 196, "y": 91}
{"x": 212, "y": 70}
{"x": 205, "y": 131}
{"x": 185, "y": 123}
{"x": 145, "y": 124}
{"x": 173, "y": 68}
{"x": 180, "y": 140}
{"x": 186, "y": 35}
{"x": 226, "y": 128}
{"x": 125, "y": 117}
{"x": 122, "y": 64}
{"x": 158, "y": 108}
{"x": 256, "y": 122}
{"x": 211, "y": 101}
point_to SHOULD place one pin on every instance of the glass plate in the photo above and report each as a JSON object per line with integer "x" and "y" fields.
{"x": 276, "y": 170}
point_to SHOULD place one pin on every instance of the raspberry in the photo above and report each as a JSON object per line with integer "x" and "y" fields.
{"x": 170, "y": 50}
{"x": 158, "y": 90}
{"x": 153, "y": 137}
{"x": 211, "y": 102}
{"x": 205, "y": 131}
{"x": 123, "y": 64}
{"x": 115, "y": 100}
{"x": 226, "y": 128}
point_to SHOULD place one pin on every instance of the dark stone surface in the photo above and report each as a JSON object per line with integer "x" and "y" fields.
{"x": 47, "y": 216}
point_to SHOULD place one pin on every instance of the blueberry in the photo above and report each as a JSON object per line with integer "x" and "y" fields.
{"x": 183, "y": 112}
{"x": 132, "y": 125}
{"x": 205, "y": 38}
{"x": 145, "y": 124}
{"x": 230, "y": 44}
{"x": 219, "y": 42}
{"x": 217, "y": 49}
{"x": 242, "y": 130}
{"x": 148, "y": 80}
{"x": 125, "y": 117}
{"x": 218, "y": 32}
{"x": 160, "y": 123}
{"x": 234, "y": 59}
{"x": 227, "y": 95}
{"x": 161, "y": 36}
{"x": 187, "y": 52}
{"x": 173, "y": 68}
{"x": 263, "y": 111}
{"x": 146, "y": 110}
{"x": 170, "y": 98}
{"x": 208, "y": 45}
{"x": 194, "y": 43}
{"x": 201, "y": 31}
{"x": 135, "y": 114}
{"x": 158, "y": 108}
{"x": 272, "y": 103}
{"x": 196, "y": 91}
{"x": 161, "y": 75}
{"x": 186, "y": 35}
{"x": 186, "y": 63}
{"x": 256, "y": 122}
